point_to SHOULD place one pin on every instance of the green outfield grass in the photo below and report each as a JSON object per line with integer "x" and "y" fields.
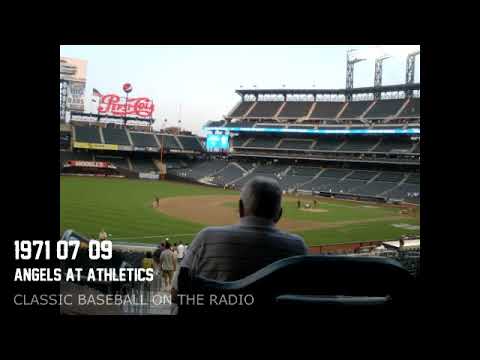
{"x": 123, "y": 208}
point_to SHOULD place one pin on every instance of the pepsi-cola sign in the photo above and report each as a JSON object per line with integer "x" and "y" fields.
{"x": 111, "y": 104}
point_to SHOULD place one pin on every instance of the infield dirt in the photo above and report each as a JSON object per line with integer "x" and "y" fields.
{"x": 211, "y": 210}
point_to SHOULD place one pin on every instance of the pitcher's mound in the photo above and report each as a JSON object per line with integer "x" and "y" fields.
{"x": 314, "y": 210}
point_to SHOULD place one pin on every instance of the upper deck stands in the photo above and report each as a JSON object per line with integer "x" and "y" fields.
{"x": 265, "y": 109}
{"x": 241, "y": 109}
{"x": 412, "y": 109}
{"x": 326, "y": 110}
{"x": 296, "y": 144}
{"x": 88, "y": 134}
{"x": 295, "y": 109}
{"x": 190, "y": 143}
{"x": 168, "y": 142}
{"x": 385, "y": 108}
{"x": 143, "y": 139}
{"x": 115, "y": 136}
{"x": 355, "y": 109}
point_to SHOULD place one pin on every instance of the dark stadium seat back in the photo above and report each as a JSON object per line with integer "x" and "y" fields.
{"x": 296, "y": 280}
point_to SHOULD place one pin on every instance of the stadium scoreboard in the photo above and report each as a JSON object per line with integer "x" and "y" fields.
{"x": 218, "y": 140}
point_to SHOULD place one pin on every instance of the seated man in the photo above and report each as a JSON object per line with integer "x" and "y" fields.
{"x": 228, "y": 253}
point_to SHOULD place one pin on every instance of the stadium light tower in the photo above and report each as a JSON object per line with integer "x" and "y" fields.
{"x": 410, "y": 71}
{"x": 378, "y": 74}
{"x": 351, "y": 61}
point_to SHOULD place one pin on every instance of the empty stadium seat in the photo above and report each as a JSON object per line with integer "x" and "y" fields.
{"x": 361, "y": 143}
{"x": 375, "y": 188}
{"x": 385, "y": 108}
{"x": 227, "y": 174}
{"x": 390, "y": 176}
{"x": 168, "y": 142}
{"x": 115, "y": 136}
{"x": 304, "y": 170}
{"x": 327, "y": 143}
{"x": 238, "y": 141}
{"x": 271, "y": 126}
{"x": 295, "y": 109}
{"x": 143, "y": 139}
{"x": 355, "y": 109}
{"x": 240, "y": 124}
{"x": 201, "y": 169}
{"x": 295, "y": 144}
{"x": 394, "y": 144}
{"x": 326, "y": 110}
{"x": 190, "y": 143}
{"x": 241, "y": 109}
{"x": 263, "y": 142}
{"x": 88, "y": 134}
{"x": 362, "y": 175}
{"x": 404, "y": 191}
{"x": 265, "y": 109}
{"x": 412, "y": 109}
{"x": 143, "y": 165}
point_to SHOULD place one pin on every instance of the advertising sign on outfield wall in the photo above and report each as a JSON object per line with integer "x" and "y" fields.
{"x": 149, "y": 176}
{"x": 92, "y": 164}
{"x": 84, "y": 145}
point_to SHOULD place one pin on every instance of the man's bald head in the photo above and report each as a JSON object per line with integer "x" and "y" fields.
{"x": 261, "y": 197}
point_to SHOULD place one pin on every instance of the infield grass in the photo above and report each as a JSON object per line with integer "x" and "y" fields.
{"x": 123, "y": 208}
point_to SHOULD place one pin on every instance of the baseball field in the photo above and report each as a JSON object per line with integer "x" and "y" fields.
{"x": 126, "y": 210}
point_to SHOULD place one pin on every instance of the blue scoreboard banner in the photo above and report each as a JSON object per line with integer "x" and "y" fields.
{"x": 411, "y": 131}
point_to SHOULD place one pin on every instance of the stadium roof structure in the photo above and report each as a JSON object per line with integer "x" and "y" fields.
{"x": 362, "y": 90}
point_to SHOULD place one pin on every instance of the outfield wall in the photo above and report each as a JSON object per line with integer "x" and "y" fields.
{"x": 342, "y": 248}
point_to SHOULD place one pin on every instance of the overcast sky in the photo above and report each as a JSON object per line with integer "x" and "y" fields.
{"x": 203, "y": 79}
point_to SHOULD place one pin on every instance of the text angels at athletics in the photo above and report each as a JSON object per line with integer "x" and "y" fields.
{"x": 99, "y": 274}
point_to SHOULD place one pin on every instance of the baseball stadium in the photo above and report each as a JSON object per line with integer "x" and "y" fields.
{"x": 347, "y": 160}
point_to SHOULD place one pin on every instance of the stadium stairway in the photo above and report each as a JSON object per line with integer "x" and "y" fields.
{"x": 279, "y": 110}
{"x": 240, "y": 167}
{"x": 249, "y": 140}
{"x": 234, "y": 108}
{"x": 179, "y": 143}
{"x": 412, "y": 148}
{"x": 129, "y": 138}
{"x": 343, "y": 178}
{"x": 158, "y": 143}
{"x": 285, "y": 172}
{"x": 376, "y": 145}
{"x": 373, "y": 178}
{"x": 129, "y": 161}
{"x": 312, "y": 179}
{"x": 244, "y": 174}
{"x": 312, "y": 109}
{"x": 405, "y": 177}
{"x": 401, "y": 109}
{"x": 249, "y": 110}
{"x": 102, "y": 139}
{"x": 368, "y": 109}
{"x": 206, "y": 178}
{"x": 341, "y": 111}
{"x": 341, "y": 145}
